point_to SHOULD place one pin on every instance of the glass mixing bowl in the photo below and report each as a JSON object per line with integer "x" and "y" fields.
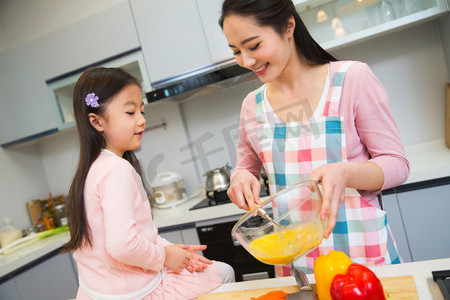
{"x": 285, "y": 226}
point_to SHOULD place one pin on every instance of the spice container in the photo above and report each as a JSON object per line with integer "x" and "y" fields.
{"x": 9, "y": 233}
{"x": 60, "y": 213}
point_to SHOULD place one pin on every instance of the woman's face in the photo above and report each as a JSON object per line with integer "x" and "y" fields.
{"x": 259, "y": 48}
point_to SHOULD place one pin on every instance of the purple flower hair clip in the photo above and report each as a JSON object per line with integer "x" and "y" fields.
{"x": 91, "y": 100}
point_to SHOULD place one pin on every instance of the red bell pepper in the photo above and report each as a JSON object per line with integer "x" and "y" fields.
{"x": 358, "y": 283}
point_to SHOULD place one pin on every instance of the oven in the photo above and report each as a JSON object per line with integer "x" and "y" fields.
{"x": 223, "y": 247}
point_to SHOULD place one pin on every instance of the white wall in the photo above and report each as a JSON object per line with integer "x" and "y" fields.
{"x": 212, "y": 121}
{"x": 411, "y": 65}
{"x": 22, "y": 178}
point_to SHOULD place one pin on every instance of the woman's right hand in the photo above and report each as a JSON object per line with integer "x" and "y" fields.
{"x": 244, "y": 190}
{"x": 177, "y": 258}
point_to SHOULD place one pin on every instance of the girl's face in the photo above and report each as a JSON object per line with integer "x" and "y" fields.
{"x": 123, "y": 122}
{"x": 259, "y": 48}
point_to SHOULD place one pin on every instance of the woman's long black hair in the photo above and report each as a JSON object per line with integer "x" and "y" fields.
{"x": 105, "y": 83}
{"x": 276, "y": 13}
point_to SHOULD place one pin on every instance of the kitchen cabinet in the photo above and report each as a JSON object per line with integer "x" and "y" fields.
{"x": 26, "y": 110}
{"x": 61, "y": 90}
{"x": 54, "y": 278}
{"x": 91, "y": 40}
{"x": 171, "y": 36}
{"x": 395, "y": 221}
{"x": 8, "y": 290}
{"x": 173, "y": 236}
{"x": 210, "y": 11}
{"x": 425, "y": 216}
{"x": 340, "y": 23}
{"x": 181, "y": 235}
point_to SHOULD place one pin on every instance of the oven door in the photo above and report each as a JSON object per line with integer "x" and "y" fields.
{"x": 222, "y": 247}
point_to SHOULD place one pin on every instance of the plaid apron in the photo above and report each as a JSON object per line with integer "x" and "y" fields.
{"x": 290, "y": 151}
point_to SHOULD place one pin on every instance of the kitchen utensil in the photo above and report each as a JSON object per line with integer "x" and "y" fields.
{"x": 294, "y": 230}
{"x": 395, "y": 288}
{"x": 306, "y": 291}
{"x": 217, "y": 180}
{"x": 35, "y": 211}
{"x": 265, "y": 180}
{"x": 168, "y": 190}
{"x": 266, "y": 216}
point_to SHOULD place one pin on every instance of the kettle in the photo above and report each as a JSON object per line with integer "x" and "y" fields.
{"x": 217, "y": 180}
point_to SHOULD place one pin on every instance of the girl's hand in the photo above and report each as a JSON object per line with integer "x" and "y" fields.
{"x": 244, "y": 190}
{"x": 177, "y": 258}
{"x": 198, "y": 263}
{"x": 333, "y": 178}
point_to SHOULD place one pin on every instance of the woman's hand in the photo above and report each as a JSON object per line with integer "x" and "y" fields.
{"x": 244, "y": 190}
{"x": 177, "y": 258}
{"x": 198, "y": 263}
{"x": 333, "y": 178}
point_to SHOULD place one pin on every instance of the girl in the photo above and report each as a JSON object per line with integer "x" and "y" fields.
{"x": 314, "y": 118}
{"x": 116, "y": 245}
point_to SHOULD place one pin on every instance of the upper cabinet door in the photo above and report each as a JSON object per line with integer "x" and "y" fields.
{"x": 96, "y": 38}
{"x": 171, "y": 35}
{"x": 25, "y": 106}
{"x": 210, "y": 11}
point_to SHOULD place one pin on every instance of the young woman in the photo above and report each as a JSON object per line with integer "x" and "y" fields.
{"x": 115, "y": 242}
{"x": 314, "y": 118}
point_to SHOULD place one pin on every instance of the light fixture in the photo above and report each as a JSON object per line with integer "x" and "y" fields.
{"x": 321, "y": 16}
{"x": 336, "y": 23}
{"x": 339, "y": 30}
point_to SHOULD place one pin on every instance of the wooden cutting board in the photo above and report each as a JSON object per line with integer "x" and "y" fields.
{"x": 395, "y": 288}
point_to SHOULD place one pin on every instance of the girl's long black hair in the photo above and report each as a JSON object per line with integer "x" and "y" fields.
{"x": 105, "y": 83}
{"x": 276, "y": 13}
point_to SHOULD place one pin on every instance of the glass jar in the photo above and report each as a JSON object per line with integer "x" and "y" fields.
{"x": 60, "y": 213}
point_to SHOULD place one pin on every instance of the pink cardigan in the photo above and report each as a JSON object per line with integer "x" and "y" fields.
{"x": 370, "y": 130}
{"x": 127, "y": 253}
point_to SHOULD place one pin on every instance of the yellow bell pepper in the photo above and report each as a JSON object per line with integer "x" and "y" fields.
{"x": 326, "y": 267}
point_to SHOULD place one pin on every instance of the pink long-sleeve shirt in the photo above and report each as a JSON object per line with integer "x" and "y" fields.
{"x": 370, "y": 130}
{"x": 127, "y": 253}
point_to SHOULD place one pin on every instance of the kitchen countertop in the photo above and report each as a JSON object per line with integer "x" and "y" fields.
{"x": 421, "y": 271}
{"x": 429, "y": 160}
{"x": 181, "y": 214}
{"x": 20, "y": 258}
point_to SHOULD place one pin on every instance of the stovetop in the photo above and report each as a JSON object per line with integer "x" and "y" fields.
{"x": 220, "y": 198}
{"x": 443, "y": 280}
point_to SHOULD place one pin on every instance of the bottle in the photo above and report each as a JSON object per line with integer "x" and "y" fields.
{"x": 387, "y": 12}
{"x": 60, "y": 212}
{"x": 47, "y": 217}
{"x": 9, "y": 233}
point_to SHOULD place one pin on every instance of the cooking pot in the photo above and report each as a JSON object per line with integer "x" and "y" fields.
{"x": 168, "y": 190}
{"x": 217, "y": 180}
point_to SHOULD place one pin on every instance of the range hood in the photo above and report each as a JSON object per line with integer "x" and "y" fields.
{"x": 185, "y": 85}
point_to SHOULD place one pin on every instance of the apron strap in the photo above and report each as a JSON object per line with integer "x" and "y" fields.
{"x": 335, "y": 91}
